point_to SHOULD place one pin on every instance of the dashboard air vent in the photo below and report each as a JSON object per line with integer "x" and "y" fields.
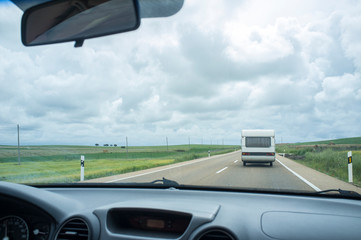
{"x": 72, "y": 229}
{"x": 215, "y": 235}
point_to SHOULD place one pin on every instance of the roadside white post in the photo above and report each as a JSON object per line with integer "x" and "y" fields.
{"x": 81, "y": 168}
{"x": 209, "y": 153}
{"x": 349, "y": 158}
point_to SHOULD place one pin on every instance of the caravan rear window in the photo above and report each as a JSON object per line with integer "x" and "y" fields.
{"x": 258, "y": 141}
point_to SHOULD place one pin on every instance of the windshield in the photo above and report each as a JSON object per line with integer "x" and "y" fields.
{"x": 172, "y": 98}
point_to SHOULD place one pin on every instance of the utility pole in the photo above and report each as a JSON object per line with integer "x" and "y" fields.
{"x": 166, "y": 139}
{"x": 189, "y": 143}
{"x": 18, "y": 145}
{"x": 126, "y": 143}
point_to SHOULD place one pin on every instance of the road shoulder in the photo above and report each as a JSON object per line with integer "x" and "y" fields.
{"x": 321, "y": 180}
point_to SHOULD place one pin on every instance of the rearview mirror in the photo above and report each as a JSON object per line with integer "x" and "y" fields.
{"x": 76, "y": 20}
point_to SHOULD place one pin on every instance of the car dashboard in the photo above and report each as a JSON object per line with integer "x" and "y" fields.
{"x": 110, "y": 212}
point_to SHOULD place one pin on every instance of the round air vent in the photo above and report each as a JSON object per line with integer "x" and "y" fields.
{"x": 215, "y": 234}
{"x": 73, "y": 229}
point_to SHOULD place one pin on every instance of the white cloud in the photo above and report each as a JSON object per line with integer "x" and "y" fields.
{"x": 202, "y": 74}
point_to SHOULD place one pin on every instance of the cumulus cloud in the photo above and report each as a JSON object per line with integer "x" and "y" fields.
{"x": 202, "y": 74}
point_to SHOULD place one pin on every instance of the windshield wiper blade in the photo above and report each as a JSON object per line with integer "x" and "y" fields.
{"x": 166, "y": 182}
{"x": 345, "y": 193}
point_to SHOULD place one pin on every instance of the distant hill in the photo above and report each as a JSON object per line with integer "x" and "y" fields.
{"x": 354, "y": 140}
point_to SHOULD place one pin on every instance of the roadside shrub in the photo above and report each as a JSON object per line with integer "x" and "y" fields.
{"x": 334, "y": 163}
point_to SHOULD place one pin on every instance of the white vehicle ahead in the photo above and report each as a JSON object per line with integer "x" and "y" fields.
{"x": 258, "y": 146}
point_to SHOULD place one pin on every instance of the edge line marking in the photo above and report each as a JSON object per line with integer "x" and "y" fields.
{"x": 300, "y": 177}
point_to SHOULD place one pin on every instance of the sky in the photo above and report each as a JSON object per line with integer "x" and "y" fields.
{"x": 200, "y": 76}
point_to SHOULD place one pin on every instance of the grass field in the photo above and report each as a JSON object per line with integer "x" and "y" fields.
{"x": 53, "y": 164}
{"x": 354, "y": 140}
{"x": 329, "y": 157}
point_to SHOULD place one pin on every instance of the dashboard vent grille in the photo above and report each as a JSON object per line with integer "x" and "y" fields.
{"x": 215, "y": 235}
{"x": 75, "y": 228}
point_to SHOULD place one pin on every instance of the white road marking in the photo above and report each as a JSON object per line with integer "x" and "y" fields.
{"x": 300, "y": 177}
{"x": 142, "y": 174}
{"x": 222, "y": 170}
{"x": 235, "y": 161}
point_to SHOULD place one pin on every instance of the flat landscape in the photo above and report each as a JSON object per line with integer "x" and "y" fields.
{"x": 61, "y": 164}
{"x": 53, "y": 164}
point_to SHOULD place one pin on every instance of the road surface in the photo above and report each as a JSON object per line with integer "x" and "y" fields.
{"x": 223, "y": 170}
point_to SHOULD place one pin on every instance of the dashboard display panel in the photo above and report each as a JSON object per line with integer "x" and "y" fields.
{"x": 148, "y": 221}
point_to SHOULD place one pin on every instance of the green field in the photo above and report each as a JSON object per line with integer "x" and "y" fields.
{"x": 58, "y": 164}
{"x": 329, "y": 157}
{"x": 354, "y": 140}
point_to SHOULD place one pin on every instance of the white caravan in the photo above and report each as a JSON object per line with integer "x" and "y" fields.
{"x": 258, "y": 146}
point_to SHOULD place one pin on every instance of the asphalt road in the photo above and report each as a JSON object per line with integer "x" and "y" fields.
{"x": 223, "y": 170}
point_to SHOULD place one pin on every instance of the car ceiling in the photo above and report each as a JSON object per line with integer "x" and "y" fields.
{"x": 148, "y": 8}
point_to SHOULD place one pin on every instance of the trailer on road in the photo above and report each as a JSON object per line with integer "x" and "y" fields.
{"x": 258, "y": 146}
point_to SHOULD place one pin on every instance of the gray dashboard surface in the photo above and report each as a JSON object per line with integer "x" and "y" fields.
{"x": 243, "y": 215}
